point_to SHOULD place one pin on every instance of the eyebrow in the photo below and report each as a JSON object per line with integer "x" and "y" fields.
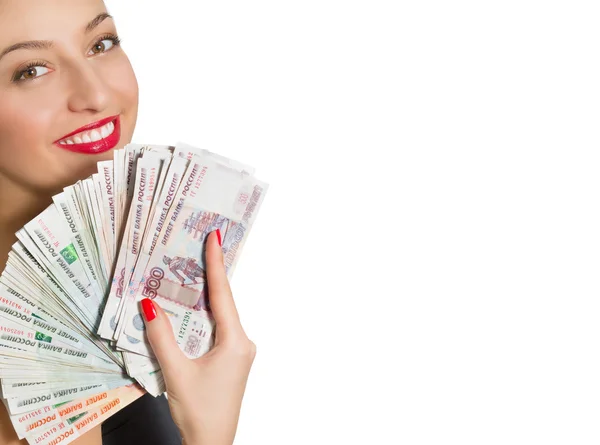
{"x": 97, "y": 20}
{"x": 47, "y": 44}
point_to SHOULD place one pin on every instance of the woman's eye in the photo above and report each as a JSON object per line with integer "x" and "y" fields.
{"x": 33, "y": 72}
{"x": 103, "y": 46}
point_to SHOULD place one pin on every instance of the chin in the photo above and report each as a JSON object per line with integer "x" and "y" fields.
{"x": 83, "y": 170}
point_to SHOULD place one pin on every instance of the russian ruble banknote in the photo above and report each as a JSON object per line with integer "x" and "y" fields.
{"x": 73, "y": 348}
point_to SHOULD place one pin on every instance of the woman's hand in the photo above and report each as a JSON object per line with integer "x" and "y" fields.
{"x": 205, "y": 394}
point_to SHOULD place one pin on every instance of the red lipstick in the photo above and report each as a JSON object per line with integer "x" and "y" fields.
{"x": 96, "y": 147}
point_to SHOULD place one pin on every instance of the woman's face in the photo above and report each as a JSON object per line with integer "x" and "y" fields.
{"x": 73, "y": 75}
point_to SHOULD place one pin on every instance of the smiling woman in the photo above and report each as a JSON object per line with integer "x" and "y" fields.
{"x": 68, "y": 98}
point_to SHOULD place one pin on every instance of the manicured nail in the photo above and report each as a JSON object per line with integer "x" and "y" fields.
{"x": 149, "y": 309}
{"x": 219, "y": 237}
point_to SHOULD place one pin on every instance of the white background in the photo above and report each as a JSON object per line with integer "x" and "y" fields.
{"x": 425, "y": 268}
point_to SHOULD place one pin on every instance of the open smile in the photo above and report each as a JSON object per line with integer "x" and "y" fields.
{"x": 93, "y": 138}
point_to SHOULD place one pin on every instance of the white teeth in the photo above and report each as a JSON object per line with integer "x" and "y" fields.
{"x": 90, "y": 136}
{"x": 95, "y": 136}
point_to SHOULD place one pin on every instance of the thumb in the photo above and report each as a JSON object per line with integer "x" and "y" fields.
{"x": 161, "y": 337}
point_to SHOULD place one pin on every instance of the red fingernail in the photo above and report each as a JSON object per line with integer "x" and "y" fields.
{"x": 149, "y": 309}
{"x": 219, "y": 237}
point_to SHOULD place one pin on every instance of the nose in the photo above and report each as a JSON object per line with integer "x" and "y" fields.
{"x": 88, "y": 91}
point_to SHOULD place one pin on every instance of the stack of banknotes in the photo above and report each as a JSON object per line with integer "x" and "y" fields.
{"x": 73, "y": 349}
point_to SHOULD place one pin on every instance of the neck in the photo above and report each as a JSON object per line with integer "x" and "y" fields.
{"x": 18, "y": 206}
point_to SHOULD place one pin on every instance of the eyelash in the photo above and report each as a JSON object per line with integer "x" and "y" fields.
{"x": 17, "y": 77}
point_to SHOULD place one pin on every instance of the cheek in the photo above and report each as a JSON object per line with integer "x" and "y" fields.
{"x": 25, "y": 128}
{"x": 124, "y": 84}
{"x": 28, "y": 116}
{"x": 27, "y": 131}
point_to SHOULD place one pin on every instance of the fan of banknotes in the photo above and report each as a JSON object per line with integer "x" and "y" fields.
{"x": 73, "y": 349}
